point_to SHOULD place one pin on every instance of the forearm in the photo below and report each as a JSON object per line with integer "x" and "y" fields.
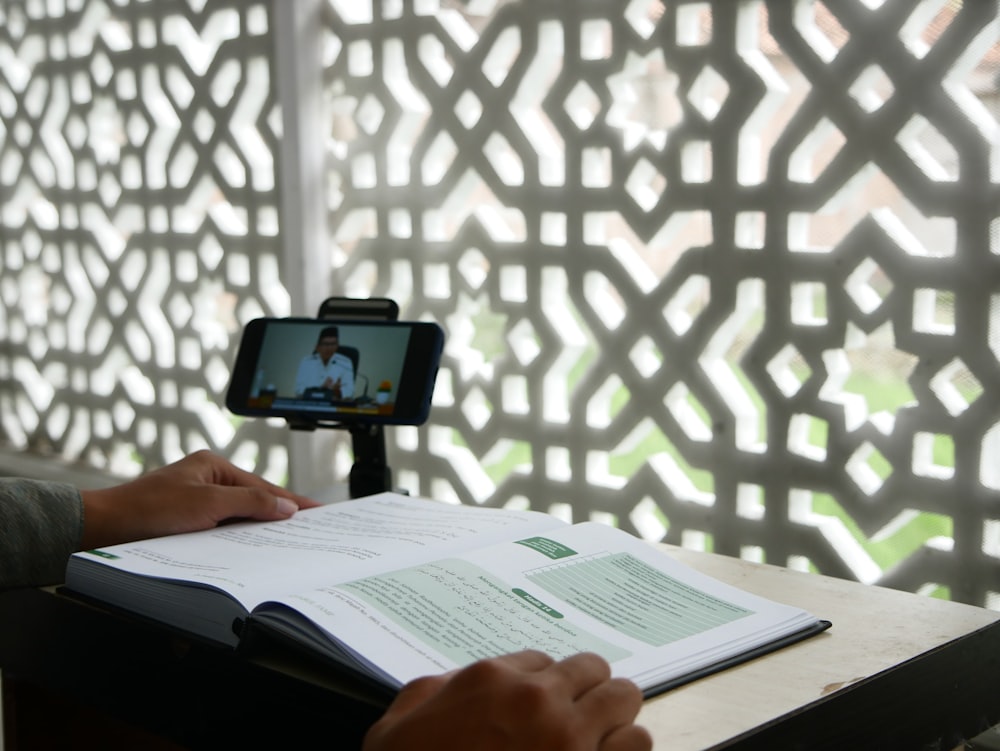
{"x": 41, "y": 524}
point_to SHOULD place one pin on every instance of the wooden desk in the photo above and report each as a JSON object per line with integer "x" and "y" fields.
{"x": 896, "y": 671}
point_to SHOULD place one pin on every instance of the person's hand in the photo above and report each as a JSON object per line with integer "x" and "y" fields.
{"x": 197, "y": 492}
{"x": 519, "y": 702}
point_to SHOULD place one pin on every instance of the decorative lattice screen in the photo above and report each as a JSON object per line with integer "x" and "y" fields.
{"x": 138, "y": 227}
{"x": 719, "y": 272}
{"x": 724, "y": 273}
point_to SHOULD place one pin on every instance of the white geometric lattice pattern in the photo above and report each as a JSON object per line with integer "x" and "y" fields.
{"x": 724, "y": 273}
{"x": 139, "y": 226}
{"x": 738, "y": 301}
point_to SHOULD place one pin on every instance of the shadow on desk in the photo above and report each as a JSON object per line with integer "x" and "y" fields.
{"x": 70, "y": 667}
{"x": 38, "y": 720}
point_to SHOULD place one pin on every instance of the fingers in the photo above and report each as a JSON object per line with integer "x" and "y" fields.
{"x": 219, "y": 471}
{"x": 259, "y": 504}
{"x": 524, "y": 701}
{"x": 402, "y": 718}
{"x": 611, "y": 703}
{"x": 573, "y": 677}
{"x": 415, "y": 693}
{"x": 627, "y": 738}
{"x": 272, "y": 508}
{"x": 528, "y": 660}
{"x": 582, "y": 672}
{"x": 606, "y": 707}
{"x": 197, "y": 492}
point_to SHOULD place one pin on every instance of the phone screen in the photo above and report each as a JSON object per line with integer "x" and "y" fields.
{"x": 333, "y": 370}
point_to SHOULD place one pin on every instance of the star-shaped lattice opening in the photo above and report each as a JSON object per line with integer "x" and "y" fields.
{"x": 869, "y": 376}
{"x": 644, "y": 100}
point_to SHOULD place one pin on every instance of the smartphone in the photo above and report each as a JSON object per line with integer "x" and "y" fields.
{"x": 336, "y": 370}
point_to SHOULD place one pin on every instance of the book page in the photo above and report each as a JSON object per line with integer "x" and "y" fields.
{"x": 254, "y": 561}
{"x": 582, "y": 588}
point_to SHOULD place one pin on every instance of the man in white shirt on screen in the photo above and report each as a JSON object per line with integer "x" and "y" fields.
{"x": 326, "y": 368}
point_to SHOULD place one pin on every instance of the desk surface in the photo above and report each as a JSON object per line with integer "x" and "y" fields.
{"x": 896, "y": 671}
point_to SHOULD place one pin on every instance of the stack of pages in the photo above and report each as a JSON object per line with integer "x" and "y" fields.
{"x": 390, "y": 588}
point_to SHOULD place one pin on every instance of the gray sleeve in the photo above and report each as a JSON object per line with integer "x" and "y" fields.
{"x": 41, "y": 524}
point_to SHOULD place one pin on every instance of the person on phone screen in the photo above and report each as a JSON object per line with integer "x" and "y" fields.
{"x": 326, "y": 368}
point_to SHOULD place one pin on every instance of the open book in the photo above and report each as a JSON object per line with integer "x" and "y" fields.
{"x": 392, "y": 588}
